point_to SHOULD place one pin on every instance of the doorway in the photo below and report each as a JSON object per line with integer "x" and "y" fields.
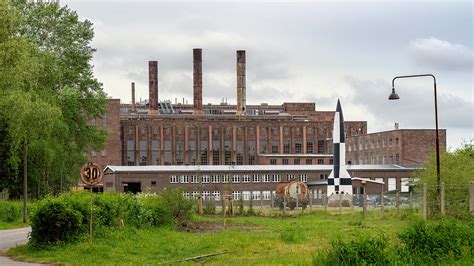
{"x": 132, "y": 187}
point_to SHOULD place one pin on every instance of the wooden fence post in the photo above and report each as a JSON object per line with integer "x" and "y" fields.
{"x": 397, "y": 202}
{"x": 442, "y": 200}
{"x": 365, "y": 203}
{"x": 340, "y": 203}
{"x": 425, "y": 201}
{"x": 382, "y": 214}
{"x": 471, "y": 196}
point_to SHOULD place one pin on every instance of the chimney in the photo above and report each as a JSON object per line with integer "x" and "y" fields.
{"x": 241, "y": 98}
{"x": 197, "y": 80}
{"x": 153, "y": 86}
{"x": 133, "y": 98}
{"x": 396, "y": 126}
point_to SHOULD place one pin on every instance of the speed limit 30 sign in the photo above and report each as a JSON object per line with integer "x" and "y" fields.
{"x": 91, "y": 174}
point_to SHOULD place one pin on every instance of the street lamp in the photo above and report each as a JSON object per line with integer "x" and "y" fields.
{"x": 394, "y": 96}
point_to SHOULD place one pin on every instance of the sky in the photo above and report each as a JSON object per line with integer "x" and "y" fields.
{"x": 306, "y": 51}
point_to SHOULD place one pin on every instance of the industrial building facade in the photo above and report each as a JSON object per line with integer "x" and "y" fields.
{"x": 161, "y": 133}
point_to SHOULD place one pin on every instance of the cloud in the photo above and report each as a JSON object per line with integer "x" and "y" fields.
{"x": 441, "y": 55}
{"x": 415, "y": 109}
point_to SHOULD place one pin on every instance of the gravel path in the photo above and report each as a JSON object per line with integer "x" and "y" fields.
{"x": 12, "y": 238}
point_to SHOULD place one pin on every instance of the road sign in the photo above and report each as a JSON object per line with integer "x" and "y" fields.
{"x": 91, "y": 174}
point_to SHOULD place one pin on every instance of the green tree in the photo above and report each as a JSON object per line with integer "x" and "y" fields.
{"x": 456, "y": 172}
{"x": 48, "y": 96}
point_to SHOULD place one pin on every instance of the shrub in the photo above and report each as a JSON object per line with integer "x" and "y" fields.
{"x": 209, "y": 207}
{"x": 180, "y": 206}
{"x": 364, "y": 251}
{"x": 55, "y": 221}
{"x": 160, "y": 213}
{"x": 10, "y": 211}
{"x": 240, "y": 208}
{"x": 437, "y": 240}
{"x": 292, "y": 236}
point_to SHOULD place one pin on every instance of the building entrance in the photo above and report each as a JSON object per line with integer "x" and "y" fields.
{"x": 132, "y": 187}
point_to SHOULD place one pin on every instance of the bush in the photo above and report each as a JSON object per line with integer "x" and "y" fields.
{"x": 209, "y": 207}
{"x": 10, "y": 211}
{"x": 364, "y": 251}
{"x": 55, "y": 221}
{"x": 180, "y": 206}
{"x": 161, "y": 214}
{"x": 437, "y": 240}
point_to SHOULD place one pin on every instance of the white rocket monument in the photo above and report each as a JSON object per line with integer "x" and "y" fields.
{"x": 339, "y": 181}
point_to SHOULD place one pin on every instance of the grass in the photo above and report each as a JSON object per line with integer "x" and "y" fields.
{"x": 11, "y": 214}
{"x": 248, "y": 240}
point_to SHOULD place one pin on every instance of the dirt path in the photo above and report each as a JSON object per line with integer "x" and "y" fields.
{"x": 12, "y": 238}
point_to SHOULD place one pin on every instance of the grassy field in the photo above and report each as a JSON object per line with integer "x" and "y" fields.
{"x": 11, "y": 214}
{"x": 246, "y": 240}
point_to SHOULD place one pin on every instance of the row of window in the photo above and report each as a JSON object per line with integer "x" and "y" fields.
{"x": 195, "y": 179}
{"x": 246, "y": 195}
{"x": 373, "y": 144}
{"x": 379, "y": 159}
{"x": 298, "y": 161}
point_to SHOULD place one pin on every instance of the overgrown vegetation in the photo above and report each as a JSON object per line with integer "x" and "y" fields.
{"x": 421, "y": 242}
{"x": 456, "y": 171}
{"x": 66, "y": 218}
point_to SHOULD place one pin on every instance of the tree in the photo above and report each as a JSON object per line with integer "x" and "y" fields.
{"x": 48, "y": 96}
{"x": 456, "y": 171}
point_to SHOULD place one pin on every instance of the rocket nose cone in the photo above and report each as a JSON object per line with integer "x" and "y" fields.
{"x": 338, "y": 107}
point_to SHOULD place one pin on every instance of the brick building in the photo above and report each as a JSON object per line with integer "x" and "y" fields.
{"x": 172, "y": 136}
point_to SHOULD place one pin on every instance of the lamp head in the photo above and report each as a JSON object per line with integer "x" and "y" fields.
{"x": 393, "y": 95}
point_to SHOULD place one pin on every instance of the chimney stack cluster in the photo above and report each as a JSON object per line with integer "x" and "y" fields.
{"x": 197, "y": 84}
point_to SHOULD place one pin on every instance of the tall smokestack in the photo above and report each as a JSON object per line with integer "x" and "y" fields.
{"x": 241, "y": 98}
{"x": 197, "y": 80}
{"x": 133, "y": 98}
{"x": 153, "y": 86}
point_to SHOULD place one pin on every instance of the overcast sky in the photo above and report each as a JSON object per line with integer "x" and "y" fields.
{"x": 308, "y": 51}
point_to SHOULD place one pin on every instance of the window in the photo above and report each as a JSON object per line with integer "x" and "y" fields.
{"x": 290, "y": 177}
{"x": 225, "y": 179}
{"x": 94, "y": 153}
{"x": 194, "y": 194}
{"x": 309, "y": 147}
{"x": 245, "y": 179}
{"x": 206, "y": 195}
{"x": 174, "y": 179}
{"x": 392, "y": 183}
{"x": 286, "y": 146}
{"x": 285, "y": 161}
{"x": 273, "y": 161}
{"x": 390, "y": 142}
{"x": 320, "y": 161}
{"x": 266, "y": 195}
{"x": 235, "y": 179}
{"x": 331, "y": 161}
{"x": 266, "y": 178}
{"x": 205, "y": 179}
{"x": 256, "y": 195}
{"x": 194, "y": 179}
{"x": 396, "y": 141}
{"x": 296, "y": 161}
{"x": 215, "y": 179}
{"x": 276, "y": 178}
{"x": 298, "y": 147}
{"x": 153, "y": 183}
{"x": 397, "y": 158}
{"x": 379, "y": 179}
{"x": 321, "y": 149}
{"x": 404, "y": 185}
{"x": 256, "y": 178}
{"x": 184, "y": 179}
{"x": 303, "y": 178}
{"x": 216, "y": 195}
{"x": 186, "y": 194}
{"x": 103, "y": 152}
{"x": 309, "y": 161}
{"x": 236, "y": 195}
{"x": 246, "y": 195}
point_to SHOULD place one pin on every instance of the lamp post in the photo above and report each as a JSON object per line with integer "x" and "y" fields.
{"x": 394, "y": 96}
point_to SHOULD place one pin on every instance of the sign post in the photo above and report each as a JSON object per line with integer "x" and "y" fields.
{"x": 91, "y": 175}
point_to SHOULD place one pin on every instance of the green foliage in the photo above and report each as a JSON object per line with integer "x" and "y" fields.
{"x": 456, "y": 171}
{"x": 160, "y": 211}
{"x": 48, "y": 96}
{"x": 180, "y": 206}
{"x": 209, "y": 207}
{"x": 240, "y": 207}
{"x": 366, "y": 250}
{"x": 54, "y": 221}
{"x": 292, "y": 235}
{"x": 434, "y": 241}
{"x": 10, "y": 211}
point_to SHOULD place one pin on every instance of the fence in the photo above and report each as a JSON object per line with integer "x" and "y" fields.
{"x": 425, "y": 200}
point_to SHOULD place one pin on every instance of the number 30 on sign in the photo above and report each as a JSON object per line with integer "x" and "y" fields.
{"x": 91, "y": 174}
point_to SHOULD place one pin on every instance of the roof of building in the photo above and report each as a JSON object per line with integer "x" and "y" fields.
{"x": 250, "y": 168}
